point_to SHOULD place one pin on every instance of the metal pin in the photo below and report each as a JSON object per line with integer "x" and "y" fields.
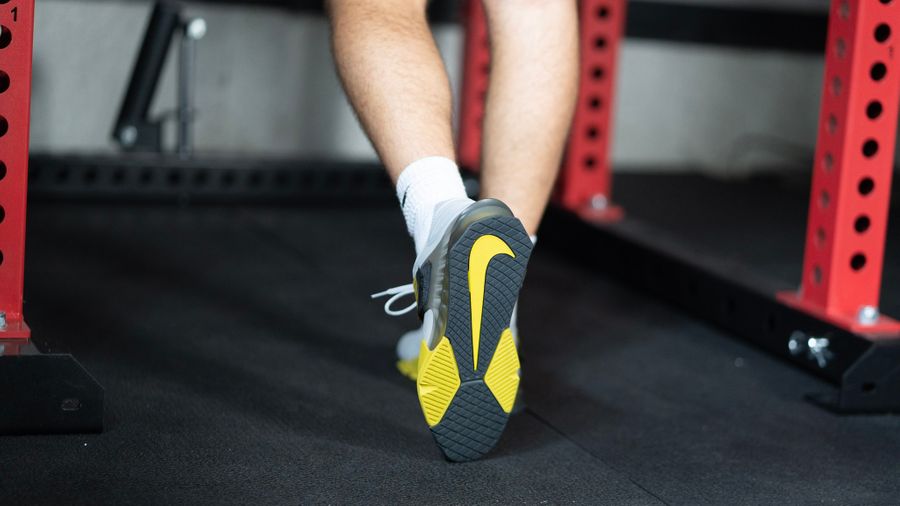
{"x": 599, "y": 202}
{"x": 868, "y": 315}
{"x": 128, "y": 135}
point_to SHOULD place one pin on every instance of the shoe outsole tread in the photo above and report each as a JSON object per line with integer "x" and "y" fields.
{"x": 474, "y": 420}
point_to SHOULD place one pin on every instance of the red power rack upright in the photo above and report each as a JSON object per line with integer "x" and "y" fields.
{"x": 585, "y": 181}
{"x": 854, "y": 161}
{"x": 16, "y": 25}
{"x": 476, "y": 72}
{"x": 39, "y": 392}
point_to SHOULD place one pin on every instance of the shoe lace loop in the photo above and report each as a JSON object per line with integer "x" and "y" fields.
{"x": 396, "y": 293}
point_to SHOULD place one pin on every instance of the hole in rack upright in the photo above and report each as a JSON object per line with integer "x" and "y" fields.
{"x": 866, "y": 185}
{"x": 874, "y": 109}
{"x": 5, "y": 37}
{"x": 870, "y": 148}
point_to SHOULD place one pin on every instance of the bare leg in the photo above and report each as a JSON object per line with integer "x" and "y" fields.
{"x": 394, "y": 77}
{"x": 534, "y": 85}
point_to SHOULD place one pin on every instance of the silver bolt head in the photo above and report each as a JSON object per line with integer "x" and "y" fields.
{"x": 196, "y": 29}
{"x": 817, "y": 344}
{"x": 868, "y": 315}
{"x": 128, "y": 135}
{"x": 795, "y": 343}
{"x": 599, "y": 202}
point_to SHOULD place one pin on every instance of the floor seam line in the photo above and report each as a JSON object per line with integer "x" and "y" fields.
{"x": 555, "y": 429}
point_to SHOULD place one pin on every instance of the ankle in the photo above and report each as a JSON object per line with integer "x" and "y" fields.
{"x": 423, "y": 185}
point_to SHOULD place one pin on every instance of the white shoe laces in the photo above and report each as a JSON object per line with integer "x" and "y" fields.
{"x": 396, "y": 293}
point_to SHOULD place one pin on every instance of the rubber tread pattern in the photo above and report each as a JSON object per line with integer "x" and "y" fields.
{"x": 475, "y": 420}
{"x": 438, "y": 382}
{"x": 504, "y": 279}
{"x": 472, "y": 424}
{"x": 502, "y": 376}
{"x": 423, "y": 279}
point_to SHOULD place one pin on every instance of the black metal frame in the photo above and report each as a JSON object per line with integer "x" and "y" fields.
{"x": 866, "y": 372}
{"x": 738, "y": 26}
{"x": 205, "y": 180}
{"x": 134, "y": 130}
{"x": 48, "y": 393}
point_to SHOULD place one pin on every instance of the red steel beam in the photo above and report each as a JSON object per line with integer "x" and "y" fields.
{"x": 585, "y": 182}
{"x": 476, "y": 77}
{"x": 851, "y": 185}
{"x": 16, "y": 26}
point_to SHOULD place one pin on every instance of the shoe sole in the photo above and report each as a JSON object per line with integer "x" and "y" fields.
{"x": 467, "y": 384}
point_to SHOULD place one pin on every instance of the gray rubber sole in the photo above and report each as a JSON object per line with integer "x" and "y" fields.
{"x": 474, "y": 421}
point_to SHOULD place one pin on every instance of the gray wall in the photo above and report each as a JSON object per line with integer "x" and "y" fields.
{"x": 267, "y": 86}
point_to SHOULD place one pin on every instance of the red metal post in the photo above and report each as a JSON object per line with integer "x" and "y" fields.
{"x": 16, "y": 25}
{"x": 851, "y": 185}
{"x": 585, "y": 183}
{"x": 476, "y": 77}
{"x": 585, "y": 180}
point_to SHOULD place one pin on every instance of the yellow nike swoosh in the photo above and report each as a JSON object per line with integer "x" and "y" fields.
{"x": 485, "y": 248}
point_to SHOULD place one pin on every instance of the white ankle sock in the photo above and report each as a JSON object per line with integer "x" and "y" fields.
{"x": 422, "y": 185}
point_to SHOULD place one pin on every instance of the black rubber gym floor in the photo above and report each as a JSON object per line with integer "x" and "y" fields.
{"x": 244, "y": 363}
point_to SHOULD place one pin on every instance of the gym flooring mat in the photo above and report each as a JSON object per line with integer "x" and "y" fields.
{"x": 244, "y": 362}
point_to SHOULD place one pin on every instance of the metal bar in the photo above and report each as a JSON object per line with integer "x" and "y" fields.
{"x": 187, "y": 54}
{"x": 585, "y": 182}
{"x": 192, "y": 31}
{"x": 207, "y": 179}
{"x": 133, "y": 129}
{"x": 16, "y": 33}
{"x": 853, "y": 167}
{"x": 476, "y": 77}
{"x": 47, "y": 394}
{"x": 866, "y": 372}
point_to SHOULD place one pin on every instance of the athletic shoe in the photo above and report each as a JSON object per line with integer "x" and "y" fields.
{"x": 466, "y": 283}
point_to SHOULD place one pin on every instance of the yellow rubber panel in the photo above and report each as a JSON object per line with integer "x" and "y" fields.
{"x": 502, "y": 376}
{"x": 438, "y": 380}
{"x": 409, "y": 368}
{"x": 483, "y": 250}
